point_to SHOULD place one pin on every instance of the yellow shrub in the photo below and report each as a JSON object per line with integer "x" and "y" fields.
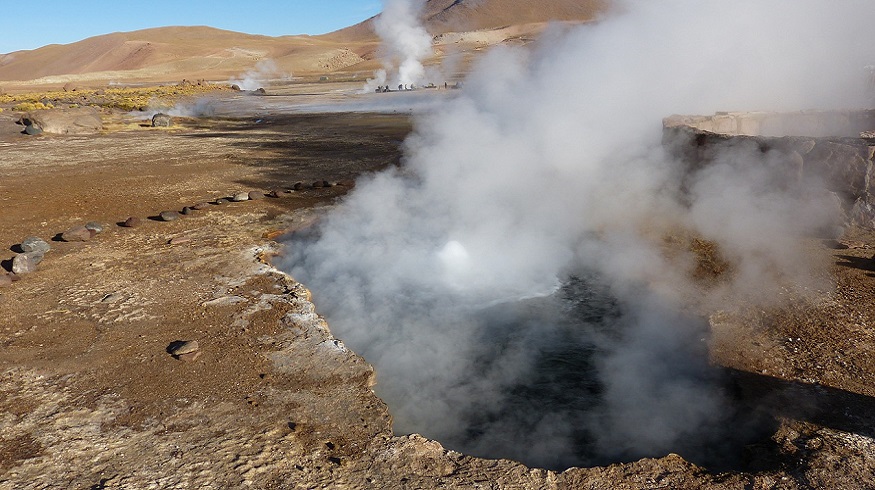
{"x": 31, "y": 106}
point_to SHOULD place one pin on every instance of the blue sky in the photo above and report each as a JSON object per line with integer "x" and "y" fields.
{"x": 29, "y": 25}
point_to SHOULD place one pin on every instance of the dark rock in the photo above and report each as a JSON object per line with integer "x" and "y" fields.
{"x": 222, "y": 201}
{"x": 35, "y": 244}
{"x": 325, "y": 183}
{"x": 276, "y": 193}
{"x": 111, "y": 298}
{"x": 161, "y": 120}
{"x": 26, "y": 263}
{"x": 317, "y": 184}
{"x": 94, "y": 226}
{"x": 183, "y": 347}
{"x": 187, "y": 210}
{"x": 168, "y": 215}
{"x": 255, "y": 195}
{"x": 77, "y": 234}
{"x": 132, "y": 222}
{"x": 298, "y": 186}
{"x": 186, "y": 351}
{"x": 241, "y": 196}
{"x": 235, "y": 87}
{"x": 32, "y": 130}
{"x": 201, "y": 205}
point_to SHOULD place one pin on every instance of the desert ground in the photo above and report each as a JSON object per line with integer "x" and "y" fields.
{"x": 93, "y": 398}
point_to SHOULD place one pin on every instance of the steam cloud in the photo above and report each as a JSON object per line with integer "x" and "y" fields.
{"x": 405, "y": 45}
{"x": 263, "y": 72}
{"x": 525, "y": 229}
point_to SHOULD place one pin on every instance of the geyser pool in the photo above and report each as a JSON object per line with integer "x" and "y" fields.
{"x": 549, "y": 165}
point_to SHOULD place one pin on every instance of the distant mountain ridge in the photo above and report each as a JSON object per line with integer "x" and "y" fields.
{"x": 173, "y": 53}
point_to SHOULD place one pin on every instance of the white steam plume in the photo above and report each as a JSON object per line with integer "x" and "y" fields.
{"x": 405, "y": 44}
{"x": 550, "y": 165}
{"x": 259, "y": 76}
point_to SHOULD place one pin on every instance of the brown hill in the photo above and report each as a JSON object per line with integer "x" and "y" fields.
{"x": 442, "y": 16}
{"x": 173, "y": 53}
{"x": 170, "y": 53}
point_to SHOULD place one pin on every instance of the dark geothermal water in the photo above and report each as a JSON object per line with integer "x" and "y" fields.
{"x": 577, "y": 377}
{"x": 559, "y": 411}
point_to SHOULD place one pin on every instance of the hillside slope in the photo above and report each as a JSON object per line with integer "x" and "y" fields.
{"x": 442, "y": 16}
{"x": 173, "y": 53}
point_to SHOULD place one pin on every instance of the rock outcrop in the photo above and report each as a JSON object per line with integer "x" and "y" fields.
{"x": 832, "y": 147}
{"x": 80, "y": 120}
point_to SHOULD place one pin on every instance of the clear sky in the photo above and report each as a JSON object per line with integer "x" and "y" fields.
{"x": 30, "y": 25}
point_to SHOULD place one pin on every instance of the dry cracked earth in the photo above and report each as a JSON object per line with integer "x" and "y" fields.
{"x": 90, "y": 398}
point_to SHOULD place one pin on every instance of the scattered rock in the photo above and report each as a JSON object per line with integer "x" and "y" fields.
{"x": 111, "y": 298}
{"x": 132, "y": 222}
{"x": 168, "y": 215}
{"x": 161, "y": 120}
{"x": 259, "y": 91}
{"x": 77, "y": 234}
{"x": 94, "y": 226}
{"x": 26, "y": 263}
{"x": 255, "y": 195}
{"x": 186, "y": 351}
{"x": 317, "y": 184}
{"x": 187, "y": 210}
{"x": 298, "y": 186}
{"x": 201, "y": 205}
{"x": 326, "y": 183}
{"x": 35, "y": 244}
{"x": 32, "y": 130}
{"x": 276, "y": 193}
{"x": 235, "y": 87}
{"x": 183, "y": 347}
{"x": 241, "y": 196}
{"x": 222, "y": 201}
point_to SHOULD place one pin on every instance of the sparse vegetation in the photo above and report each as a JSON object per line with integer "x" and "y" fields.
{"x": 32, "y": 106}
{"x": 123, "y": 98}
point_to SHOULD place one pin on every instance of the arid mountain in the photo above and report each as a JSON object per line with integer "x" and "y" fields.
{"x": 171, "y": 53}
{"x": 174, "y": 53}
{"x": 442, "y": 16}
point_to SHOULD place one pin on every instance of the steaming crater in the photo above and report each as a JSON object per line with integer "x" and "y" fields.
{"x": 550, "y": 167}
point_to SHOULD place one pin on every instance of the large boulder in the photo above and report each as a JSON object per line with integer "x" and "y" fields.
{"x": 81, "y": 120}
{"x": 161, "y": 120}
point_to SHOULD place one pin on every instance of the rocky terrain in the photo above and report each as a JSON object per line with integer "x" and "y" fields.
{"x": 96, "y": 393}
